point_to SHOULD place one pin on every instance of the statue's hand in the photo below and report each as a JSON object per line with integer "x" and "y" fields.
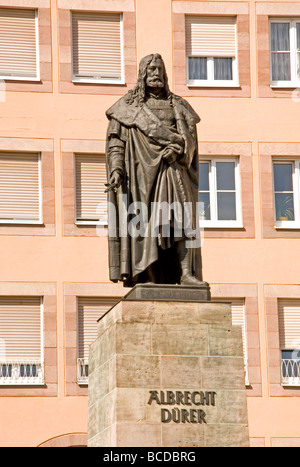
{"x": 114, "y": 182}
{"x": 169, "y": 156}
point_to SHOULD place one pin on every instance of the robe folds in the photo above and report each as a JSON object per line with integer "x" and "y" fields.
{"x": 136, "y": 142}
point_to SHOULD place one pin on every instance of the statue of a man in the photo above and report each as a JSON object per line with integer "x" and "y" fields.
{"x": 152, "y": 159}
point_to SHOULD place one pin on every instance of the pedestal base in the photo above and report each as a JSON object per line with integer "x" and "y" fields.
{"x": 167, "y": 374}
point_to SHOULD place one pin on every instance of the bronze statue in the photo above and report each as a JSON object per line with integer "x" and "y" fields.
{"x": 152, "y": 161}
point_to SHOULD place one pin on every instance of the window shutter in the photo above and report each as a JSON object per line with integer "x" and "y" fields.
{"x": 18, "y": 43}
{"x": 210, "y": 36}
{"x": 89, "y": 310}
{"x": 91, "y": 199}
{"x": 20, "y": 328}
{"x": 289, "y": 324}
{"x": 238, "y": 318}
{"x": 19, "y": 187}
{"x": 97, "y": 46}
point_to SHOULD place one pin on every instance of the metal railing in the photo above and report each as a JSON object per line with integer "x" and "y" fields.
{"x": 290, "y": 372}
{"x": 23, "y": 372}
{"x": 82, "y": 370}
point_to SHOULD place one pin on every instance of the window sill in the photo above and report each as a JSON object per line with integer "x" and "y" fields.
{"x": 20, "y": 222}
{"x": 98, "y": 81}
{"x": 220, "y": 226}
{"x": 221, "y": 84}
{"x": 20, "y": 78}
{"x": 290, "y": 385}
{"x": 285, "y": 86}
{"x": 91, "y": 223}
{"x": 287, "y": 227}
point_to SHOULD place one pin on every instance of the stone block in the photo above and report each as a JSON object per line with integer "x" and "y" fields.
{"x": 180, "y": 372}
{"x": 223, "y": 373}
{"x": 167, "y": 374}
{"x": 183, "y": 436}
{"x": 142, "y": 371}
{"x": 138, "y": 435}
{"x": 133, "y": 338}
{"x": 179, "y": 339}
{"x": 225, "y": 341}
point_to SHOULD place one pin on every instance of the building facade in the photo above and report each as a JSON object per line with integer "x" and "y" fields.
{"x": 62, "y": 64}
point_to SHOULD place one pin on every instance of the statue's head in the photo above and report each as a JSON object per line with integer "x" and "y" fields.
{"x": 155, "y": 72}
{"x": 152, "y": 75}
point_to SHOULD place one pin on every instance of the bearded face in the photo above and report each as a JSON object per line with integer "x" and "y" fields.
{"x": 155, "y": 74}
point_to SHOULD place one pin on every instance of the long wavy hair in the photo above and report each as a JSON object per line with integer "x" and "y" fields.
{"x": 138, "y": 94}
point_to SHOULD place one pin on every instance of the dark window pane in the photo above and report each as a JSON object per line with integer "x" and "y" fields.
{"x": 283, "y": 174}
{"x": 290, "y": 354}
{"x": 226, "y": 206}
{"x": 203, "y": 177}
{"x": 204, "y": 206}
{"x": 284, "y": 205}
{"x": 280, "y": 37}
{"x": 225, "y": 176}
{"x": 197, "y": 68}
{"x": 223, "y": 68}
{"x": 281, "y": 67}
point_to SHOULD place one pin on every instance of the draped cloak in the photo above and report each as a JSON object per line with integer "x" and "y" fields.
{"x": 136, "y": 140}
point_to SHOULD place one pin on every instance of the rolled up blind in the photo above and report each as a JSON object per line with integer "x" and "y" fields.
{"x": 97, "y": 46}
{"x": 89, "y": 310}
{"x": 19, "y": 187}
{"x": 238, "y": 318}
{"x": 18, "y": 43}
{"x": 210, "y": 36}
{"x": 289, "y": 324}
{"x": 91, "y": 199}
{"x": 20, "y": 328}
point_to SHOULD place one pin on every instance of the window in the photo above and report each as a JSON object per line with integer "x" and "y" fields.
{"x": 285, "y": 52}
{"x": 211, "y": 51}
{"x": 97, "y": 48}
{"x": 21, "y": 349}
{"x": 91, "y": 199}
{"x": 289, "y": 340}
{"x": 89, "y": 310}
{"x": 19, "y": 44}
{"x": 219, "y": 193}
{"x": 239, "y": 319}
{"x": 20, "y": 188}
{"x": 286, "y": 193}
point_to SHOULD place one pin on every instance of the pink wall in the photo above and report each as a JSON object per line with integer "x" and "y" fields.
{"x": 236, "y": 263}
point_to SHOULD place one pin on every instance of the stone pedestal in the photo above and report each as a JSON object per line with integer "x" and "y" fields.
{"x": 167, "y": 374}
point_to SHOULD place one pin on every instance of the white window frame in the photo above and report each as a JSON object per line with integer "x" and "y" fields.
{"x": 102, "y": 222}
{"x": 296, "y": 191}
{"x": 78, "y": 79}
{"x": 82, "y": 363}
{"x": 294, "y": 82}
{"x": 38, "y": 68}
{"x": 214, "y": 222}
{"x": 30, "y": 221}
{"x": 15, "y": 379}
{"x": 210, "y": 81}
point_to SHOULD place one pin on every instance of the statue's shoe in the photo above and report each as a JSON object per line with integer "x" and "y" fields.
{"x": 188, "y": 279}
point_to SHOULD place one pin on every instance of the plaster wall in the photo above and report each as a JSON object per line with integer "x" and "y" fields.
{"x": 251, "y": 260}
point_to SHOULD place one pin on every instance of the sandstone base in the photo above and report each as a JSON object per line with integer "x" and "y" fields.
{"x": 167, "y": 374}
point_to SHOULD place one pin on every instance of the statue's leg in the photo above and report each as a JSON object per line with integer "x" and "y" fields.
{"x": 185, "y": 258}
